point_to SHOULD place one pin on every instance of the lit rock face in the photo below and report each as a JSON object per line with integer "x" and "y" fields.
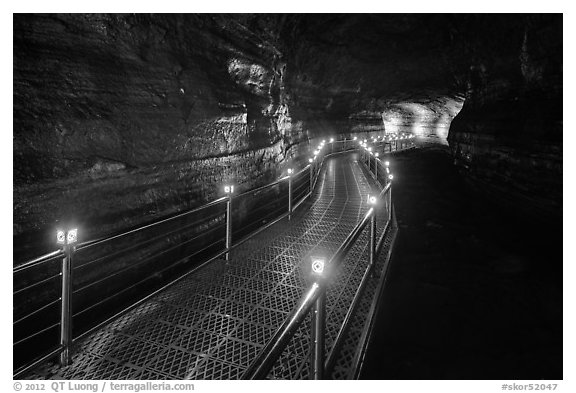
{"x": 119, "y": 119}
{"x": 426, "y": 119}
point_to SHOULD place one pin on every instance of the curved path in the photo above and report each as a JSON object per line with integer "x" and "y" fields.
{"x": 213, "y": 323}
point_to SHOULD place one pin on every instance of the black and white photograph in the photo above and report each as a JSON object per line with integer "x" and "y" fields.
{"x": 267, "y": 194}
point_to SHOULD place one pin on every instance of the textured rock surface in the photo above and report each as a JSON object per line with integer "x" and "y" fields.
{"x": 119, "y": 119}
{"x": 508, "y": 136}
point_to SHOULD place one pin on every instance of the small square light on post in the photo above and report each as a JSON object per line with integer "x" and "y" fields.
{"x": 229, "y": 189}
{"x": 387, "y": 163}
{"x": 372, "y": 200}
{"x": 290, "y": 171}
{"x": 72, "y": 236}
{"x": 318, "y": 266}
{"x": 66, "y": 237}
{"x": 377, "y": 154}
{"x": 331, "y": 140}
{"x": 391, "y": 177}
{"x": 60, "y": 237}
{"x": 355, "y": 138}
{"x": 310, "y": 160}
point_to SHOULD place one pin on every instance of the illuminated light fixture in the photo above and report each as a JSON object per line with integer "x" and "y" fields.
{"x": 371, "y": 200}
{"x": 355, "y": 138}
{"x": 369, "y": 149}
{"x": 387, "y": 170}
{"x": 70, "y": 237}
{"x": 310, "y": 160}
{"x": 331, "y": 140}
{"x": 387, "y": 163}
{"x": 229, "y": 189}
{"x": 377, "y": 154}
{"x": 365, "y": 141}
{"x": 318, "y": 266}
{"x": 316, "y": 152}
{"x": 60, "y": 237}
{"x": 323, "y": 141}
{"x": 290, "y": 171}
{"x": 391, "y": 177}
{"x": 371, "y": 152}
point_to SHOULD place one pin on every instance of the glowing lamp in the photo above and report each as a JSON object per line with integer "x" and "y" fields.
{"x": 331, "y": 140}
{"x": 391, "y": 177}
{"x": 229, "y": 189}
{"x": 61, "y": 237}
{"x": 316, "y": 152}
{"x": 310, "y": 160}
{"x": 323, "y": 141}
{"x": 67, "y": 237}
{"x": 290, "y": 171}
{"x": 371, "y": 200}
{"x": 72, "y": 236}
{"x": 355, "y": 138}
{"x": 369, "y": 149}
{"x": 387, "y": 163}
{"x": 318, "y": 266}
{"x": 377, "y": 154}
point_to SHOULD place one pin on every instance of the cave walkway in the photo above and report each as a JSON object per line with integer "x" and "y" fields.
{"x": 213, "y": 323}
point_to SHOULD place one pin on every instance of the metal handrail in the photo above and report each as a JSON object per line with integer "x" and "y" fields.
{"x": 68, "y": 251}
{"x": 262, "y": 365}
{"x": 268, "y": 356}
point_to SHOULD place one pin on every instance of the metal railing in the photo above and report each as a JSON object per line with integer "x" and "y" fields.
{"x": 314, "y": 299}
{"x": 83, "y": 282}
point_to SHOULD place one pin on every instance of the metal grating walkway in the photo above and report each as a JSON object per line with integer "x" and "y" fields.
{"x": 213, "y": 323}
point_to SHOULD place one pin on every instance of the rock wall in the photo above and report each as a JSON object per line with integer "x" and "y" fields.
{"x": 508, "y": 136}
{"x": 120, "y": 119}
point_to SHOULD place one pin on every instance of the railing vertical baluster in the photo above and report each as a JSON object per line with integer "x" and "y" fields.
{"x": 373, "y": 243}
{"x": 311, "y": 175}
{"x": 66, "y": 315}
{"x": 317, "y": 353}
{"x": 290, "y": 194}
{"x": 229, "y": 224}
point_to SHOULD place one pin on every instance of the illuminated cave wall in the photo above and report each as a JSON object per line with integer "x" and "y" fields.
{"x": 119, "y": 119}
{"x": 426, "y": 120}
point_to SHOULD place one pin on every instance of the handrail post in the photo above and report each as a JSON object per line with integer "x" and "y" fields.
{"x": 66, "y": 313}
{"x": 311, "y": 175}
{"x": 317, "y": 353}
{"x": 290, "y": 194}
{"x": 373, "y": 243}
{"x": 230, "y": 191}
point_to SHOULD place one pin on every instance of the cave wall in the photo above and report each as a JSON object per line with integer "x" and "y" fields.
{"x": 120, "y": 119}
{"x": 507, "y": 139}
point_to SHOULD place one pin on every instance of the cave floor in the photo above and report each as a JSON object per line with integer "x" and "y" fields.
{"x": 473, "y": 291}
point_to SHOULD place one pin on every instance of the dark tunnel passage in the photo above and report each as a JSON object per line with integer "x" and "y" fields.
{"x": 122, "y": 121}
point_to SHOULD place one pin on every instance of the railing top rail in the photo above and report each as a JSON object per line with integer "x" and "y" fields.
{"x": 94, "y": 242}
{"x": 37, "y": 261}
{"x": 91, "y": 243}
